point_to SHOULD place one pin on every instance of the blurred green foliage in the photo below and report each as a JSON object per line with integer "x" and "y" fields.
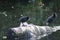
{"x": 11, "y": 11}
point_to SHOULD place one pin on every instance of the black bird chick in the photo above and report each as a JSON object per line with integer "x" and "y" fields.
{"x": 51, "y": 18}
{"x": 24, "y": 20}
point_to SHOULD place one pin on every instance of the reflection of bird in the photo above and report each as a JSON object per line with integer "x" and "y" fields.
{"x": 23, "y": 20}
{"x": 51, "y": 18}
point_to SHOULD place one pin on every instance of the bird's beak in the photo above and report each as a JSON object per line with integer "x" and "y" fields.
{"x": 4, "y": 37}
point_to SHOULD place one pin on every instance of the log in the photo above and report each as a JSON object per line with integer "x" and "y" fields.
{"x": 31, "y": 32}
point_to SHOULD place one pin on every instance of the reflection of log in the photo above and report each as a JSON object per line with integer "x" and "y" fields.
{"x": 31, "y": 32}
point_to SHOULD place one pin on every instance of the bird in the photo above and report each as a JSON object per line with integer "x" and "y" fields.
{"x": 51, "y": 19}
{"x": 23, "y": 20}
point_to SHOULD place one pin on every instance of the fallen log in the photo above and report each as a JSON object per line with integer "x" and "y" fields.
{"x": 30, "y": 32}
